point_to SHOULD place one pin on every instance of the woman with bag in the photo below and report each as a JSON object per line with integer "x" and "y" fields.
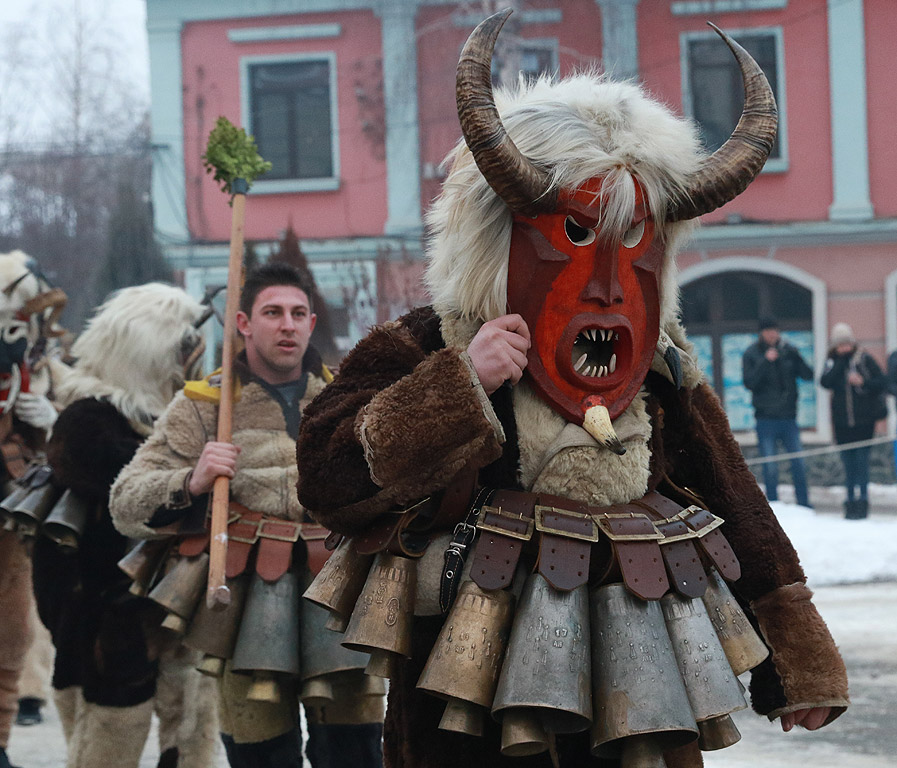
{"x": 858, "y": 401}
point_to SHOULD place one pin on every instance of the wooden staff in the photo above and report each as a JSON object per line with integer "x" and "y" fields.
{"x": 231, "y": 155}
{"x": 218, "y": 595}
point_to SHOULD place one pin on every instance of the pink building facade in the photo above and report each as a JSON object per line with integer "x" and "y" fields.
{"x": 354, "y": 101}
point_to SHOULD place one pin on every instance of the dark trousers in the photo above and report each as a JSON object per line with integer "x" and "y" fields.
{"x": 856, "y": 472}
{"x": 770, "y": 432}
{"x": 329, "y": 746}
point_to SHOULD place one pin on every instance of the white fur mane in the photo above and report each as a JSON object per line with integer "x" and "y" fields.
{"x": 583, "y": 127}
{"x": 129, "y": 351}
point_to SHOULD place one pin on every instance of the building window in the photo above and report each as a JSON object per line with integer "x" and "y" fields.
{"x": 291, "y": 108}
{"x": 721, "y": 313}
{"x": 713, "y": 93}
{"x": 531, "y": 58}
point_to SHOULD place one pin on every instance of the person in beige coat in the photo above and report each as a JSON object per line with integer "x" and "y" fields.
{"x": 167, "y": 485}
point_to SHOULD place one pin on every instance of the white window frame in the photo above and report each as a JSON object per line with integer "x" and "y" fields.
{"x": 773, "y": 165}
{"x": 278, "y": 186}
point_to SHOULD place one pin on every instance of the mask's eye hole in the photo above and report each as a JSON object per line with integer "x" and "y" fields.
{"x": 578, "y": 235}
{"x": 634, "y": 235}
{"x": 16, "y": 330}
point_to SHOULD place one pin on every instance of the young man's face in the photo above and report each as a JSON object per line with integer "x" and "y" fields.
{"x": 770, "y": 336}
{"x": 277, "y": 332}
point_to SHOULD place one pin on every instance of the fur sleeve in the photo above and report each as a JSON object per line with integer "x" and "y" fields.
{"x": 157, "y": 475}
{"x": 393, "y": 402}
{"x": 90, "y": 444}
{"x": 804, "y": 668}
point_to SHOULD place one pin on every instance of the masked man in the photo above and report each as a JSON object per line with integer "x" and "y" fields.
{"x": 29, "y": 307}
{"x": 552, "y": 377}
{"x": 114, "y": 664}
{"x": 170, "y": 480}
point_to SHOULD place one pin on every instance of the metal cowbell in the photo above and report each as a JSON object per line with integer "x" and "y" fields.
{"x": 712, "y": 686}
{"x": 381, "y": 622}
{"x": 743, "y": 647}
{"x": 67, "y": 520}
{"x": 639, "y": 700}
{"x": 268, "y": 639}
{"x": 17, "y": 493}
{"x": 547, "y": 667}
{"x": 465, "y": 662}
{"x": 522, "y": 734}
{"x": 213, "y": 632}
{"x": 142, "y": 562}
{"x": 322, "y": 657}
{"x": 339, "y": 584}
{"x": 33, "y": 508}
{"x": 180, "y": 589}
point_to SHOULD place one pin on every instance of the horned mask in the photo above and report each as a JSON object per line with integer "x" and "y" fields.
{"x": 590, "y": 292}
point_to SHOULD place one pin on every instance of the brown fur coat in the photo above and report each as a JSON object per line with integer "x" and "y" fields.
{"x": 402, "y": 394}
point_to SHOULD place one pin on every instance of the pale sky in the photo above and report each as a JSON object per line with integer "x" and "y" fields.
{"x": 36, "y": 51}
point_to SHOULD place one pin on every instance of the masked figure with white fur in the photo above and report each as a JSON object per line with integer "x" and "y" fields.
{"x": 29, "y": 307}
{"x": 114, "y": 664}
{"x": 537, "y": 468}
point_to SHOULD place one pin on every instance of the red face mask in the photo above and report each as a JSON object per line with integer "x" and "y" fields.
{"x": 592, "y": 305}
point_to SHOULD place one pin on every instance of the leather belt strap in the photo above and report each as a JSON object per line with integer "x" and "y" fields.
{"x": 275, "y": 548}
{"x": 678, "y": 548}
{"x": 315, "y": 537}
{"x": 456, "y": 552}
{"x": 637, "y": 549}
{"x": 505, "y": 525}
{"x": 565, "y": 545}
{"x": 681, "y": 557}
{"x": 242, "y": 534}
{"x": 707, "y": 528}
{"x": 190, "y": 546}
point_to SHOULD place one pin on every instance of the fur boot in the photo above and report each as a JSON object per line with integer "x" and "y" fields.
{"x": 186, "y": 704}
{"x": 15, "y": 631}
{"x": 68, "y": 701}
{"x": 109, "y": 735}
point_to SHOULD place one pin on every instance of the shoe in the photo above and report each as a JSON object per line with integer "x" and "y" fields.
{"x": 862, "y": 509}
{"x": 852, "y": 509}
{"x": 29, "y": 712}
{"x": 4, "y": 760}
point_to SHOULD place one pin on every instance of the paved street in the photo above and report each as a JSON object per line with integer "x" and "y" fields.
{"x": 863, "y": 619}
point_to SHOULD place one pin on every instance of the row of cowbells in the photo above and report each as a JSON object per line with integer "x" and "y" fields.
{"x": 43, "y": 508}
{"x": 267, "y": 630}
{"x": 371, "y": 600}
{"x": 643, "y": 676}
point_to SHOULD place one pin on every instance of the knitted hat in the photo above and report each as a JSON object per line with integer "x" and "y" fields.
{"x": 842, "y": 333}
{"x": 767, "y": 322}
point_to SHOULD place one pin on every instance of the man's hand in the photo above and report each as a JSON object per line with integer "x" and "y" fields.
{"x": 772, "y": 354}
{"x": 498, "y": 351}
{"x": 855, "y": 379}
{"x": 35, "y": 410}
{"x": 811, "y": 719}
{"x": 216, "y": 460}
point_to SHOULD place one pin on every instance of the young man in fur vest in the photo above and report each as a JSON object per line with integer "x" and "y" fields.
{"x": 26, "y": 415}
{"x": 114, "y": 665}
{"x": 552, "y": 368}
{"x": 169, "y": 482}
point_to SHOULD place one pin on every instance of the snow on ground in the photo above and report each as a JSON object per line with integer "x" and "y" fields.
{"x": 833, "y": 550}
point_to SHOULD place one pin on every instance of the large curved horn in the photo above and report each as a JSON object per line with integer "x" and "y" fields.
{"x": 728, "y": 171}
{"x": 524, "y": 187}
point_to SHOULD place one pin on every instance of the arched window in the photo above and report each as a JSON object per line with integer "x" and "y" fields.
{"x": 721, "y": 313}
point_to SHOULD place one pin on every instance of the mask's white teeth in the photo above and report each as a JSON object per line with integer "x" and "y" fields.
{"x": 613, "y": 363}
{"x": 592, "y": 335}
{"x": 616, "y": 337}
{"x": 602, "y": 371}
{"x": 579, "y": 363}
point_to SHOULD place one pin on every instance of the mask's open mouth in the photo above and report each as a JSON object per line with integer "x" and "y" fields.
{"x": 594, "y": 352}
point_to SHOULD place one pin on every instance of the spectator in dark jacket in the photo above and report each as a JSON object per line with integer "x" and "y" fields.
{"x": 858, "y": 387}
{"x": 770, "y": 369}
{"x": 892, "y": 387}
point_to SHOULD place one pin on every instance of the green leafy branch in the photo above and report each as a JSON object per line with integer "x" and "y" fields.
{"x": 232, "y": 154}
